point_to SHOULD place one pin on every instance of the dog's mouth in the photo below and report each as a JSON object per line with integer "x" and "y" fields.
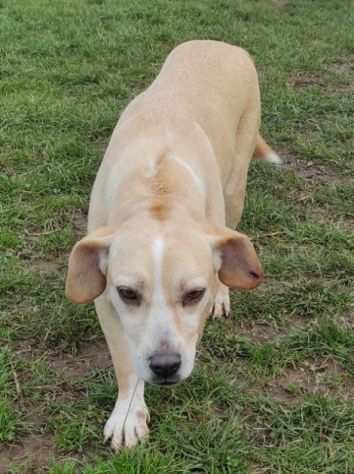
{"x": 165, "y": 382}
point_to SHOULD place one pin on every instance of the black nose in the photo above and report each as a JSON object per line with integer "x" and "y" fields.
{"x": 165, "y": 364}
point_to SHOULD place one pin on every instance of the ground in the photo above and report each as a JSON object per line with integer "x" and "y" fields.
{"x": 273, "y": 390}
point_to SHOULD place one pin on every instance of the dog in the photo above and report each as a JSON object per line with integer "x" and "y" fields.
{"x": 161, "y": 252}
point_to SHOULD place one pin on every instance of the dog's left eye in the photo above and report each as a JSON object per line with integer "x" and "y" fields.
{"x": 193, "y": 297}
{"x": 129, "y": 296}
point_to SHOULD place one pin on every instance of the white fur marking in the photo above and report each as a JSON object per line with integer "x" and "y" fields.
{"x": 190, "y": 170}
{"x": 217, "y": 260}
{"x": 162, "y": 319}
{"x": 113, "y": 251}
{"x": 274, "y": 159}
{"x": 158, "y": 253}
{"x": 151, "y": 168}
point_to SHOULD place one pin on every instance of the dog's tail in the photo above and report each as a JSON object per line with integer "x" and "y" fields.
{"x": 264, "y": 152}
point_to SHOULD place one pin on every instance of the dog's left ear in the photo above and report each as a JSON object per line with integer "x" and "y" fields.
{"x": 236, "y": 260}
{"x": 86, "y": 277}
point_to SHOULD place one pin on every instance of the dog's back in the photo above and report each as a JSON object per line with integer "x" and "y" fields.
{"x": 207, "y": 82}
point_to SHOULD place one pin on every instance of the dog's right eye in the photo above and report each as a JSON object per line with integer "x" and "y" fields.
{"x": 129, "y": 296}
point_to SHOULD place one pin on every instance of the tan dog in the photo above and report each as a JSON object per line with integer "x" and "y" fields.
{"x": 161, "y": 254}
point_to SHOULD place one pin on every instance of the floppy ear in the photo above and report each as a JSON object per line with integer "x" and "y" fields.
{"x": 236, "y": 260}
{"x": 85, "y": 279}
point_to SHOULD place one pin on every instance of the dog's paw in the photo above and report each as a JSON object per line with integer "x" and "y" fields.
{"x": 125, "y": 431}
{"x": 222, "y": 303}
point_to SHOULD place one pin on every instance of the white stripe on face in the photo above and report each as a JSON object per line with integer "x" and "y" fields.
{"x": 158, "y": 249}
{"x": 161, "y": 321}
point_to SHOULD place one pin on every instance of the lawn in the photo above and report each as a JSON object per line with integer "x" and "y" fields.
{"x": 273, "y": 390}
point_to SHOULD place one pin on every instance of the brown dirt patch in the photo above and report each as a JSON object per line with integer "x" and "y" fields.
{"x": 325, "y": 377}
{"x": 343, "y": 66}
{"x": 45, "y": 268}
{"x": 310, "y": 170}
{"x": 336, "y": 79}
{"x": 263, "y": 332}
{"x": 323, "y": 215}
{"x": 257, "y": 332}
{"x": 34, "y": 451}
{"x": 79, "y": 222}
{"x": 301, "y": 81}
{"x": 280, "y": 3}
{"x": 316, "y": 176}
{"x": 347, "y": 320}
{"x": 91, "y": 356}
{"x": 259, "y": 470}
{"x": 345, "y": 88}
{"x": 69, "y": 369}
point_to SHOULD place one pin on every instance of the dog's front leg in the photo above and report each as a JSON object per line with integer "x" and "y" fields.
{"x": 128, "y": 421}
{"x": 216, "y": 215}
{"x": 221, "y": 306}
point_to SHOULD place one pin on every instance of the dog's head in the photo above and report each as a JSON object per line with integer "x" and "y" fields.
{"x": 161, "y": 283}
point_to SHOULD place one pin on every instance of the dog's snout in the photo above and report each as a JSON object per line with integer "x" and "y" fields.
{"x": 165, "y": 364}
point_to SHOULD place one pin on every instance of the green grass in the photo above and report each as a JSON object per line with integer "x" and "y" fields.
{"x": 273, "y": 388}
{"x": 8, "y": 419}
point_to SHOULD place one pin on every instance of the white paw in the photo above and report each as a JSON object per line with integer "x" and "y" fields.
{"x": 222, "y": 302}
{"x": 125, "y": 431}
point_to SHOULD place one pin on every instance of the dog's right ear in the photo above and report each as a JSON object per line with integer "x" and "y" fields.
{"x": 236, "y": 259}
{"x": 86, "y": 278}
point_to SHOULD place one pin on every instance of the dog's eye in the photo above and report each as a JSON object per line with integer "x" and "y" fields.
{"x": 193, "y": 296}
{"x": 129, "y": 296}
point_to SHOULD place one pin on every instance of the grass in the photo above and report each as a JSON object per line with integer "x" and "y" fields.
{"x": 273, "y": 387}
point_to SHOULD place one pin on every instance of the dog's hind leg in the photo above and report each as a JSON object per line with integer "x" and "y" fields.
{"x": 245, "y": 143}
{"x": 216, "y": 216}
{"x": 234, "y": 196}
{"x": 128, "y": 421}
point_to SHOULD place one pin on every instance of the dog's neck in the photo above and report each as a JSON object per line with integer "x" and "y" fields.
{"x": 164, "y": 188}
